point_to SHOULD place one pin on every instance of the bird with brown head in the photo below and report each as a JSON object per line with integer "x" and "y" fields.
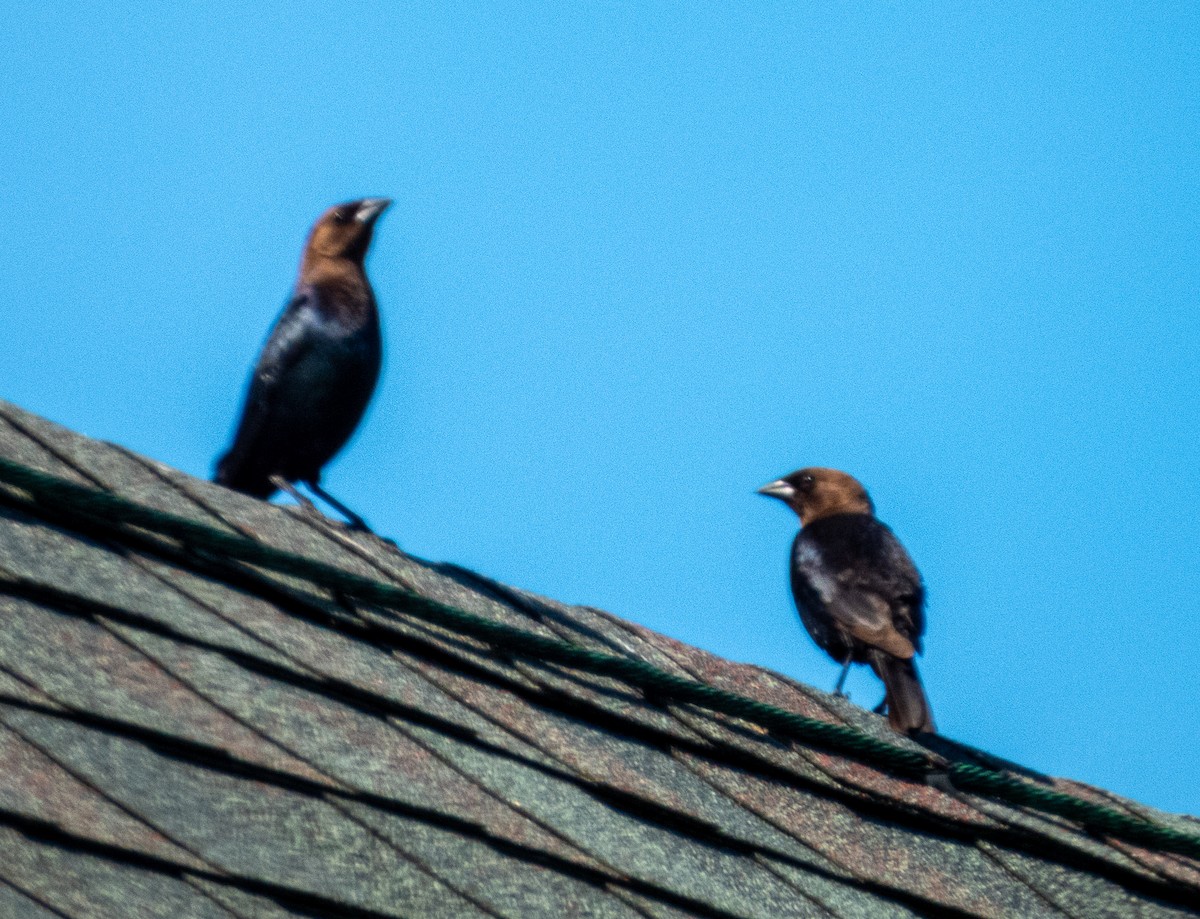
{"x": 858, "y": 592}
{"x": 318, "y": 368}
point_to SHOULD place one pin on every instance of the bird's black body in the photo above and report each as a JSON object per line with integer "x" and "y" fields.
{"x": 311, "y": 385}
{"x": 849, "y": 572}
{"x": 858, "y": 593}
{"x": 319, "y": 367}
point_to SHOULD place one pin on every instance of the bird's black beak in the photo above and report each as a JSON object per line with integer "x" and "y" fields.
{"x": 778, "y": 489}
{"x": 369, "y": 209}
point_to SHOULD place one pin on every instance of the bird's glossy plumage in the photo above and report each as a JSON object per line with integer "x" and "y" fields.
{"x": 853, "y": 580}
{"x": 319, "y": 367}
{"x": 858, "y": 592}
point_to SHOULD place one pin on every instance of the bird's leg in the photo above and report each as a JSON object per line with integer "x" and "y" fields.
{"x": 837, "y": 690}
{"x": 356, "y": 522}
{"x": 303, "y": 500}
{"x": 881, "y": 708}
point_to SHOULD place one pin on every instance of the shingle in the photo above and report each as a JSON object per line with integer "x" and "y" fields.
{"x": 1058, "y": 832}
{"x": 240, "y": 903}
{"x": 12, "y": 688}
{"x": 159, "y": 487}
{"x": 559, "y": 687}
{"x": 19, "y": 448}
{"x": 844, "y": 898}
{"x": 83, "y": 886}
{"x": 735, "y": 734}
{"x": 1175, "y": 867}
{"x": 111, "y": 467}
{"x": 45, "y": 647}
{"x": 509, "y": 881}
{"x": 347, "y": 747}
{"x": 1083, "y": 894}
{"x": 583, "y": 626}
{"x": 44, "y": 555}
{"x": 656, "y": 909}
{"x": 627, "y": 841}
{"x": 865, "y": 845}
{"x": 244, "y": 827}
{"x": 37, "y": 788}
{"x": 852, "y": 775}
{"x": 15, "y": 905}
{"x": 226, "y": 740}
{"x": 287, "y": 527}
{"x": 634, "y": 769}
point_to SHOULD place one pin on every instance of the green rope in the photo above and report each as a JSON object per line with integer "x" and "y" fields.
{"x": 112, "y": 512}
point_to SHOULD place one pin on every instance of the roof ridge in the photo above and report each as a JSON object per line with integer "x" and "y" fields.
{"x": 115, "y": 513}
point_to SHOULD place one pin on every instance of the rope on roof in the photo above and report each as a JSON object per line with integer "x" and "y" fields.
{"x": 113, "y": 513}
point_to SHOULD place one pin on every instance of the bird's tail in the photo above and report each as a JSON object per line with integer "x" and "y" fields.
{"x": 908, "y": 709}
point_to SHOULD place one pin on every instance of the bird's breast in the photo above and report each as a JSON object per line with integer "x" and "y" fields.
{"x": 337, "y": 361}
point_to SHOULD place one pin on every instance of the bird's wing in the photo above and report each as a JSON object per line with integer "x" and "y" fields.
{"x": 904, "y": 587}
{"x": 855, "y": 597}
{"x": 290, "y": 339}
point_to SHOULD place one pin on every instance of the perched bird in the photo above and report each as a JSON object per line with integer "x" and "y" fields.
{"x": 318, "y": 368}
{"x": 858, "y": 593}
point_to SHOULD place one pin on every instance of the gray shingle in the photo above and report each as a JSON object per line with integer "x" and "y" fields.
{"x": 84, "y": 886}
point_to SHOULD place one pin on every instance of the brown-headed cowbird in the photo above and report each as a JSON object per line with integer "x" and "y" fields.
{"x": 859, "y": 594}
{"x": 318, "y": 368}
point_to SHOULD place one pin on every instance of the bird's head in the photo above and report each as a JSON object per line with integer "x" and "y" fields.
{"x": 344, "y": 231}
{"x": 815, "y": 492}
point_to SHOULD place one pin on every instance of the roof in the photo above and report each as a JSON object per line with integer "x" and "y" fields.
{"x": 190, "y": 732}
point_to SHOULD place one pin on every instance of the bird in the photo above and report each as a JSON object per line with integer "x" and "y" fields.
{"x": 858, "y": 592}
{"x": 318, "y": 369}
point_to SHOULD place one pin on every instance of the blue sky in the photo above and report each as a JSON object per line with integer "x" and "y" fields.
{"x": 644, "y": 259}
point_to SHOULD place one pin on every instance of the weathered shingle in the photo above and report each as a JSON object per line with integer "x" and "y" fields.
{"x": 186, "y": 735}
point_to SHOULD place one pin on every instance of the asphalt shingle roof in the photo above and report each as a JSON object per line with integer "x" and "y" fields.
{"x": 181, "y": 735}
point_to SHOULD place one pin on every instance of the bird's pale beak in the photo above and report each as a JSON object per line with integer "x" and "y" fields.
{"x": 778, "y": 489}
{"x": 369, "y": 209}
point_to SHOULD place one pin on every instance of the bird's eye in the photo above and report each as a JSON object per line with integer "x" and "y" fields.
{"x": 340, "y": 216}
{"x": 805, "y": 483}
